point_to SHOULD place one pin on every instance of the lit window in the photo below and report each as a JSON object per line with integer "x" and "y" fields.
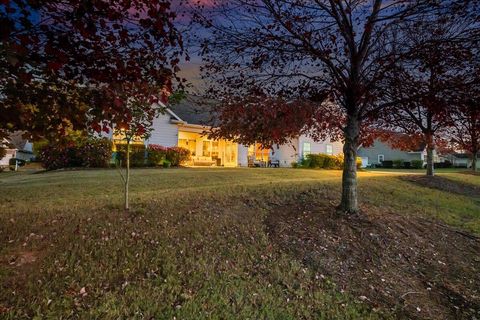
{"x": 329, "y": 149}
{"x": 306, "y": 149}
{"x": 206, "y": 148}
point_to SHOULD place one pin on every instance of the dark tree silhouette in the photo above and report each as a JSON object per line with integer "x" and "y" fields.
{"x": 426, "y": 80}
{"x": 331, "y": 54}
{"x": 68, "y": 64}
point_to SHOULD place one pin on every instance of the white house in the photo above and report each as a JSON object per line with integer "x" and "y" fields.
{"x": 185, "y": 125}
{"x": 11, "y": 152}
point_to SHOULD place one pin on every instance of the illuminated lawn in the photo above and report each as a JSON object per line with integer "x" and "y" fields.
{"x": 194, "y": 246}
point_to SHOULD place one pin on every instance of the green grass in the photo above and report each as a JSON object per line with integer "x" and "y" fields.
{"x": 193, "y": 247}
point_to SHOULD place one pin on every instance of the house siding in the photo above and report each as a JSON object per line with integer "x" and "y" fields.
{"x": 293, "y": 151}
{"x": 285, "y": 153}
{"x": 319, "y": 146}
{"x": 164, "y": 133}
{"x": 242, "y": 155}
{"x": 389, "y": 153}
{"x": 5, "y": 160}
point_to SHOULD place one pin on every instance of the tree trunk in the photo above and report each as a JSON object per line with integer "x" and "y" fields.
{"x": 127, "y": 176}
{"x": 430, "y": 162}
{"x": 474, "y": 161}
{"x": 349, "y": 204}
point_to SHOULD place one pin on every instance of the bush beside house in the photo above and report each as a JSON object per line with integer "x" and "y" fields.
{"x": 154, "y": 156}
{"x": 76, "y": 152}
{"x": 324, "y": 161}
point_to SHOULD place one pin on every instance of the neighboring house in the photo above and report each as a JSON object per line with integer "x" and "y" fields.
{"x": 462, "y": 160}
{"x": 300, "y": 147}
{"x": 23, "y": 146}
{"x": 184, "y": 125}
{"x": 11, "y": 152}
{"x": 382, "y": 151}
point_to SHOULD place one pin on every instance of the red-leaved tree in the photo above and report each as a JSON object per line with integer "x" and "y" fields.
{"x": 70, "y": 64}
{"x": 425, "y": 80}
{"x": 465, "y": 116}
{"x": 337, "y": 52}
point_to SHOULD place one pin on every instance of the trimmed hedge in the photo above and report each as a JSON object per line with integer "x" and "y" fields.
{"x": 325, "y": 161}
{"x": 166, "y": 156}
{"x": 417, "y": 164}
{"x": 76, "y": 152}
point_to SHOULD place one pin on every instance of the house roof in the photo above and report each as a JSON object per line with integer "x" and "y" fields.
{"x": 195, "y": 110}
{"x": 17, "y": 140}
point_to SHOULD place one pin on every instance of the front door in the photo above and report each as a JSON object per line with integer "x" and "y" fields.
{"x": 230, "y": 159}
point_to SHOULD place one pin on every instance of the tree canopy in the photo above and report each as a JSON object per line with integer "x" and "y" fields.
{"x": 69, "y": 64}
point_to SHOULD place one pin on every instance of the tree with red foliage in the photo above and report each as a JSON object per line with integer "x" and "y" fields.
{"x": 271, "y": 121}
{"x": 330, "y": 54}
{"x": 70, "y": 64}
{"x": 465, "y": 116}
{"x": 424, "y": 80}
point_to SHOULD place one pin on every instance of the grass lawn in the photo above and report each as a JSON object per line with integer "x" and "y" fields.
{"x": 212, "y": 243}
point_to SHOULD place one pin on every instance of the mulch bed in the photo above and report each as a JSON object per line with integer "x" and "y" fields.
{"x": 444, "y": 184}
{"x": 410, "y": 266}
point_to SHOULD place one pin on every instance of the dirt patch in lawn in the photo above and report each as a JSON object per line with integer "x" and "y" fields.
{"x": 415, "y": 268}
{"x": 444, "y": 184}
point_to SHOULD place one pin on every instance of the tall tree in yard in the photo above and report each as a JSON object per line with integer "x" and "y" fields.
{"x": 426, "y": 80}
{"x": 332, "y": 55}
{"x": 85, "y": 65}
{"x": 64, "y": 62}
{"x": 465, "y": 116}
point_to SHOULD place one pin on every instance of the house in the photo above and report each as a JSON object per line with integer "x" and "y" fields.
{"x": 23, "y": 146}
{"x": 462, "y": 160}
{"x": 303, "y": 145}
{"x": 185, "y": 125}
{"x": 10, "y": 152}
{"x": 381, "y": 151}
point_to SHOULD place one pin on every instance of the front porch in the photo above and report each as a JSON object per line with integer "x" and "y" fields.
{"x": 207, "y": 152}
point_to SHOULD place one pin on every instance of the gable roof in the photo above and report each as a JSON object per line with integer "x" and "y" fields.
{"x": 194, "y": 110}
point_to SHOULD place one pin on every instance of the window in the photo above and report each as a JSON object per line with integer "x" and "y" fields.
{"x": 329, "y": 150}
{"x": 189, "y": 144}
{"x": 381, "y": 158}
{"x": 306, "y": 149}
{"x": 206, "y": 148}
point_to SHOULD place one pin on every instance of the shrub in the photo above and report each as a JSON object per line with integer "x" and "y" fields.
{"x": 137, "y": 155}
{"x": 94, "y": 152}
{"x": 338, "y": 161}
{"x": 157, "y": 155}
{"x": 397, "y": 164}
{"x": 294, "y": 164}
{"x": 387, "y": 164}
{"x": 417, "y": 164}
{"x": 407, "y": 165}
{"x": 445, "y": 164}
{"x": 306, "y": 162}
{"x": 76, "y": 152}
{"x": 166, "y": 164}
{"x": 359, "y": 162}
{"x": 324, "y": 161}
{"x": 177, "y": 155}
{"x": 19, "y": 162}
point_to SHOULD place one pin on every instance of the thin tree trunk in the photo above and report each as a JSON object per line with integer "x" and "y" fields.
{"x": 349, "y": 202}
{"x": 127, "y": 176}
{"x": 430, "y": 162}
{"x": 474, "y": 161}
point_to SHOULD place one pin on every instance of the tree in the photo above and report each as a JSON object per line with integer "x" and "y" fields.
{"x": 331, "y": 54}
{"x": 63, "y": 62}
{"x": 425, "y": 80}
{"x": 465, "y": 117}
